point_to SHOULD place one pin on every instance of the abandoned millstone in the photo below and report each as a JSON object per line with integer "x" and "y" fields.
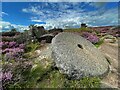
{"x": 77, "y": 57}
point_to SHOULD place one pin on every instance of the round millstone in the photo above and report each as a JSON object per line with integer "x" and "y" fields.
{"x": 77, "y": 57}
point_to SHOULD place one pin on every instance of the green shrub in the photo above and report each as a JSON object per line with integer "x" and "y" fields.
{"x": 32, "y": 47}
{"x": 90, "y": 82}
{"x": 86, "y": 82}
{"x": 30, "y": 50}
{"x": 8, "y": 39}
{"x": 72, "y": 84}
{"x": 54, "y": 79}
{"x": 34, "y": 75}
{"x": 37, "y": 73}
{"x": 26, "y": 74}
{"x": 101, "y": 41}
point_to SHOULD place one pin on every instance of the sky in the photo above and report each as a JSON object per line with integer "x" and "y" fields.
{"x": 20, "y": 15}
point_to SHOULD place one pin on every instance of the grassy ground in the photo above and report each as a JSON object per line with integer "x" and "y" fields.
{"x": 78, "y": 30}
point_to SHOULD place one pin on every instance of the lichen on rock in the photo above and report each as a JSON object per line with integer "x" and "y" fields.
{"x": 78, "y": 57}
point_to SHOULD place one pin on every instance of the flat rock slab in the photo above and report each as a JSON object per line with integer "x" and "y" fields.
{"x": 77, "y": 57}
{"x": 110, "y": 51}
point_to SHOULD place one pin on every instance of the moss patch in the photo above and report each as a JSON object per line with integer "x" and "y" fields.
{"x": 99, "y": 43}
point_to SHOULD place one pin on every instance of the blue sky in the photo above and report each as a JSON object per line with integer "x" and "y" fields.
{"x": 58, "y": 14}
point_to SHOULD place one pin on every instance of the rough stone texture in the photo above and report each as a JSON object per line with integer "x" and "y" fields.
{"x": 109, "y": 39}
{"x": 38, "y": 31}
{"x": 107, "y": 86}
{"x": 45, "y": 52}
{"x": 110, "y": 51}
{"x": 77, "y": 57}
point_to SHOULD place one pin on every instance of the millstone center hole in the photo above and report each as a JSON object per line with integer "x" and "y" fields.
{"x": 80, "y": 46}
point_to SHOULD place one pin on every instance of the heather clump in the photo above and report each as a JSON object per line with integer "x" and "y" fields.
{"x": 12, "y": 50}
{"x": 91, "y": 37}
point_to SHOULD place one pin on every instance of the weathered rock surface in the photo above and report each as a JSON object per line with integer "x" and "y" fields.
{"x": 110, "y": 51}
{"x": 77, "y": 57}
{"x": 109, "y": 39}
{"x": 45, "y": 52}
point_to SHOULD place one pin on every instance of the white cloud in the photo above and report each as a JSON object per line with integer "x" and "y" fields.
{"x": 7, "y": 26}
{"x": 33, "y": 10}
{"x": 3, "y": 13}
{"x": 36, "y": 20}
{"x": 24, "y": 10}
{"x": 62, "y": 15}
{"x": 72, "y": 20}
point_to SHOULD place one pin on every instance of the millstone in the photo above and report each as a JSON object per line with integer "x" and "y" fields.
{"x": 77, "y": 57}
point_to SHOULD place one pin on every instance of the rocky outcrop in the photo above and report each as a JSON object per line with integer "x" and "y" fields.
{"x": 55, "y": 31}
{"x": 47, "y": 37}
{"x": 77, "y": 57}
{"x": 38, "y": 31}
{"x": 109, "y": 39}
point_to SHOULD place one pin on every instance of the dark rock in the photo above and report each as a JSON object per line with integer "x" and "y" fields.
{"x": 55, "y": 31}
{"x": 78, "y": 57}
{"x": 38, "y": 31}
{"x": 83, "y": 25}
{"x": 47, "y": 37}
